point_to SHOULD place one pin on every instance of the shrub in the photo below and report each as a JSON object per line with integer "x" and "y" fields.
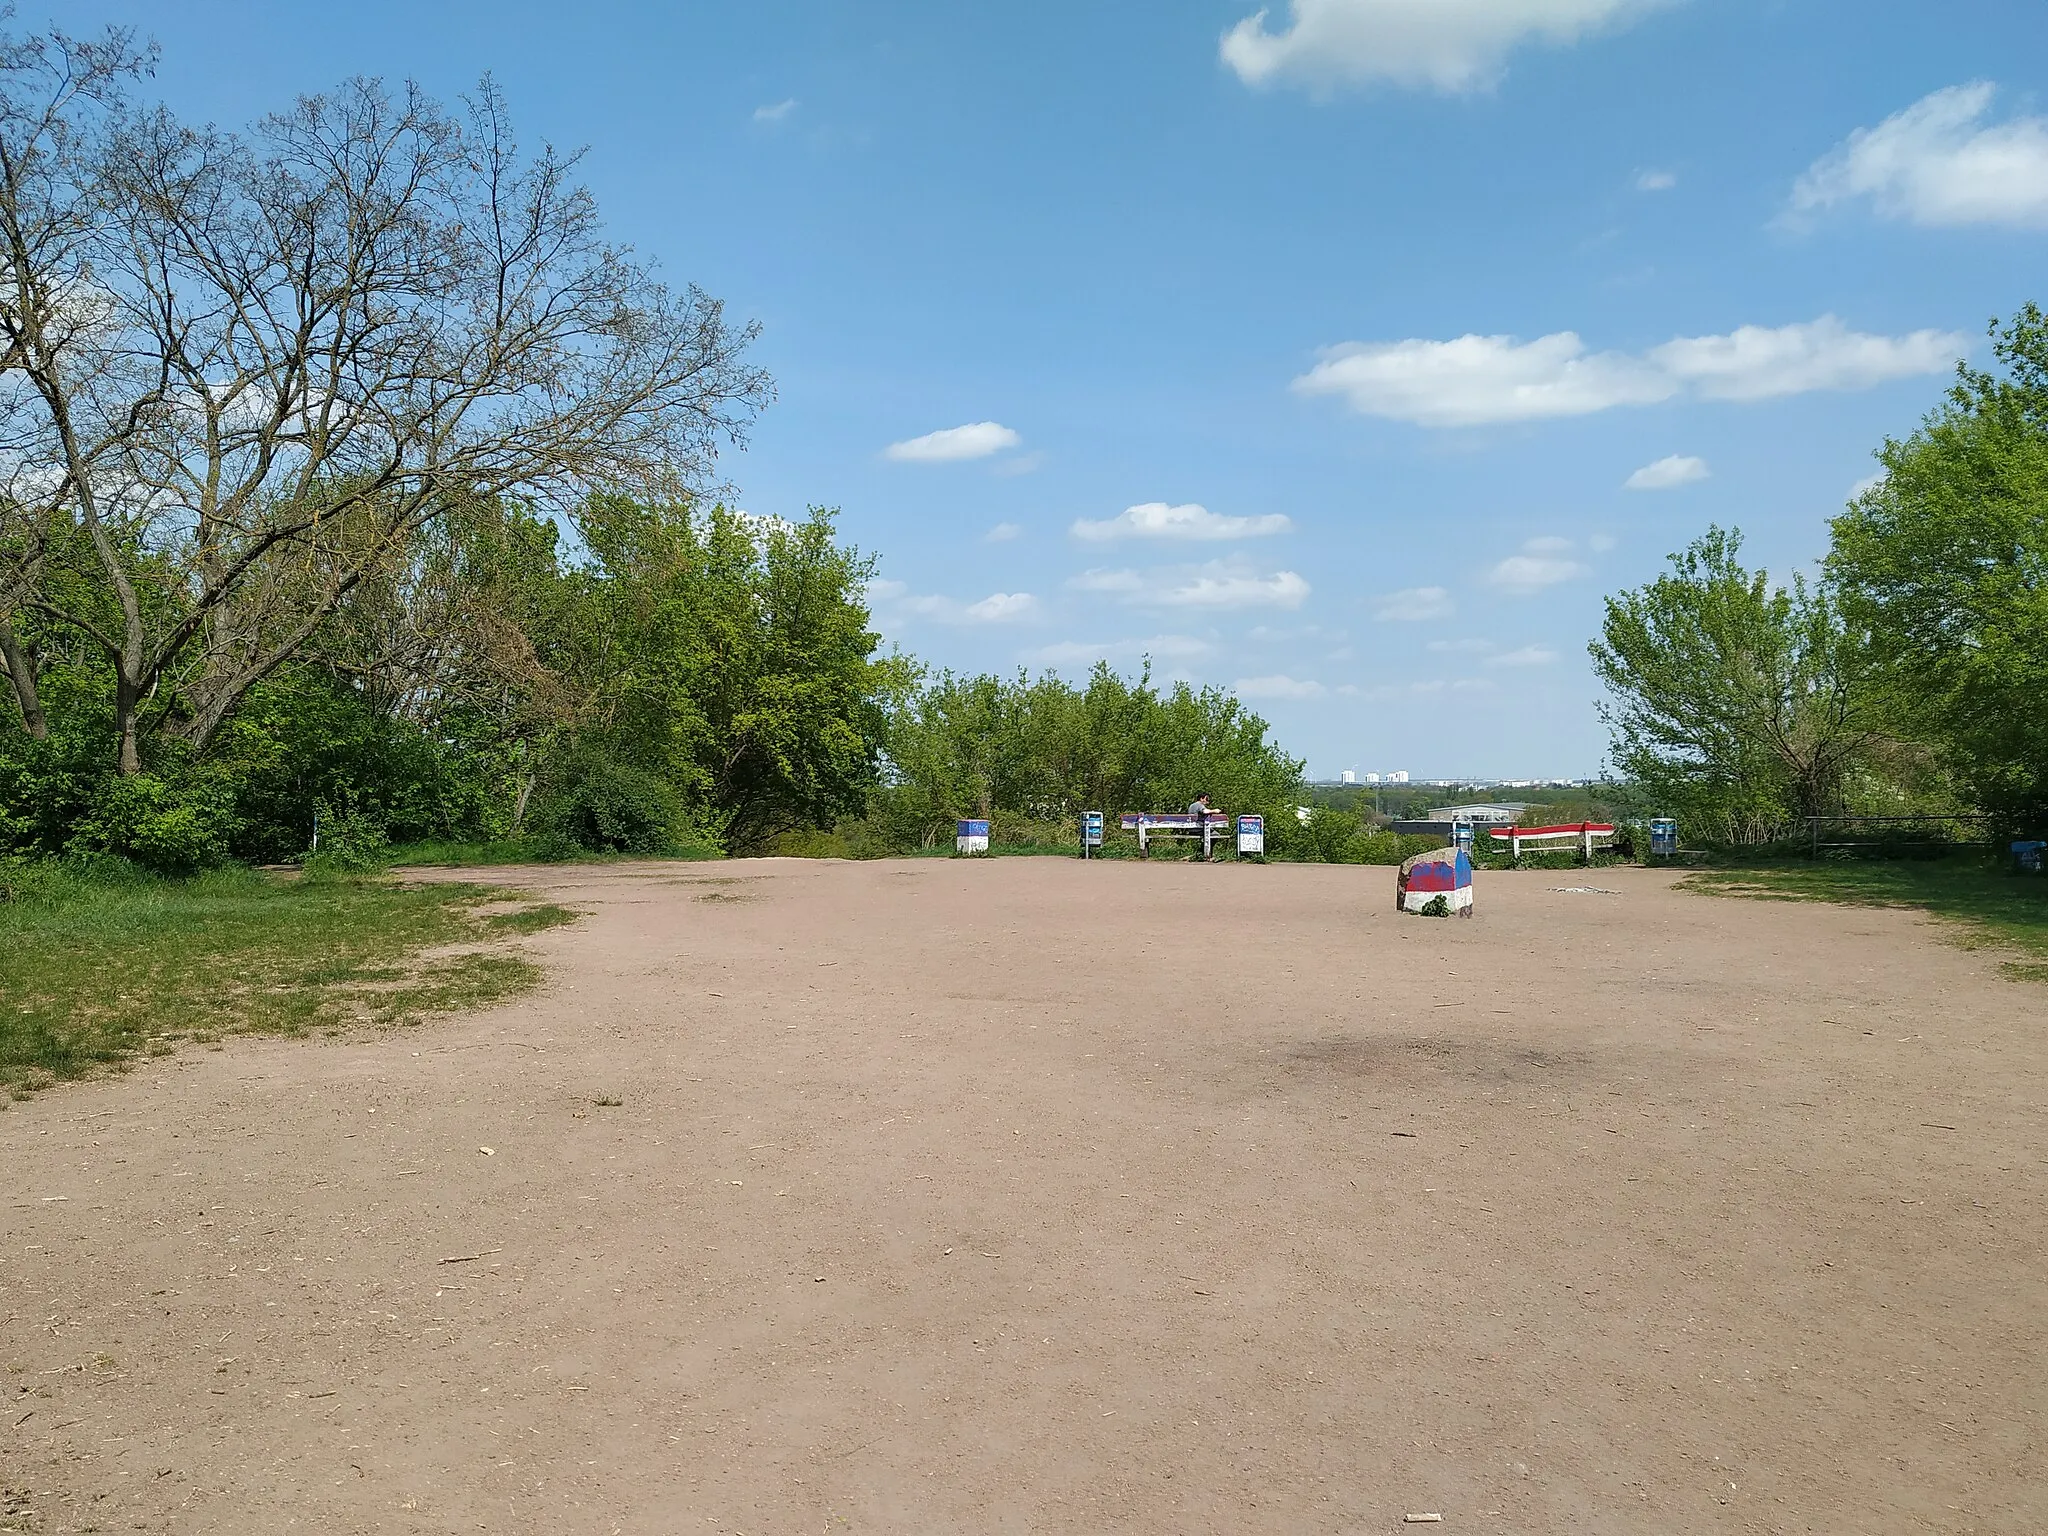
{"x": 168, "y": 827}
{"x": 612, "y": 808}
{"x": 350, "y": 841}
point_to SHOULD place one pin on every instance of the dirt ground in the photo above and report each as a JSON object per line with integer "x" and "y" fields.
{"x": 1032, "y": 1196}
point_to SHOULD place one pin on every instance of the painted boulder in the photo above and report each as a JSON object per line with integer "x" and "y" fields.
{"x": 1444, "y": 874}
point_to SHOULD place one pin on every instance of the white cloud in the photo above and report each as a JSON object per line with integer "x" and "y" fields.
{"x": 1219, "y": 585}
{"x": 1479, "y": 379}
{"x": 1476, "y": 380}
{"x": 1022, "y": 464}
{"x": 1001, "y": 608}
{"x": 1527, "y": 656}
{"x": 1468, "y": 647}
{"x": 1667, "y": 473}
{"x": 1413, "y": 605}
{"x": 1157, "y": 520}
{"x": 1656, "y": 181}
{"x": 1278, "y": 686}
{"x": 975, "y": 441}
{"x": 1542, "y": 563}
{"x": 1450, "y": 45}
{"x": 1600, "y": 543}
{"x": 1938, "y": 163}
{"x": 1866, "y": 485}
{"x": 1083, "y": 652}
{"x": 898, "y": 603}
{"x": 775, "y": 112}
{"x": 1755, "y": 362}
{"x": 1002, "y": 533}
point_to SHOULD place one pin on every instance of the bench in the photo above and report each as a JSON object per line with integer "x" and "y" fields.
{"x": 1583, "y": 833}
{"x": 1149, "y": 824}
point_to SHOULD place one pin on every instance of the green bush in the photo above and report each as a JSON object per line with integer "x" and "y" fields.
{"x": 164, "y": 826}
{"x": 612, "y": 808}
{"x": 351, "y": 841}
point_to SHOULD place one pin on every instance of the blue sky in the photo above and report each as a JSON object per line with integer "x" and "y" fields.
{"x": 1312, "y": 355}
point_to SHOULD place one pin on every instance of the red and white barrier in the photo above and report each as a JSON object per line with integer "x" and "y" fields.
{"x": 1585, "y": 832}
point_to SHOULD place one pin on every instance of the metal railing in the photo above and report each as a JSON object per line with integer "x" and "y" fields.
{"x": 1817, "y": 826}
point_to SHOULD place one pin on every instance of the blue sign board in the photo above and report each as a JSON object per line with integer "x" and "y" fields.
{"x": 2031, "y": 856}
{"x": 1091, "y": 829}
{"x": 1664, "y": 837}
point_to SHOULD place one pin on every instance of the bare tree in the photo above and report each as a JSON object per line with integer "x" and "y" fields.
{"x": 54, "y": 93}
{"x": 246, "y": 369}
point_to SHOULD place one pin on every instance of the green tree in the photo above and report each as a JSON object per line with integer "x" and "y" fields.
{"x": 731, "y": 658}
{"x": 1740, "y": 705}
{"x": 1043, "y": 751}
{"x": 1945, "y": 562}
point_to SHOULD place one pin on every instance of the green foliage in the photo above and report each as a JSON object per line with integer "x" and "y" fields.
{"x": 1945, "y": 562}
{"x": 1736, "y": 706}
{"x": 610, "y": 807}
{"x": 1327, "y": 837}
{"x": 1031, "y": 755}
{"x": 1341, "y": 837}
{"x": 1437, "y": 906}
{"x": 350, "y": 841}
{"x": 171, "y": 827}
{"x": 732, "y": 659}
{"x": 674, "y": 680}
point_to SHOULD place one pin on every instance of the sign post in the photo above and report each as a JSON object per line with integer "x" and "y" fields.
{"x": 1251, "y": 836}
{"x": 1091, "y": 834}
{"x": 1663, "y": 837}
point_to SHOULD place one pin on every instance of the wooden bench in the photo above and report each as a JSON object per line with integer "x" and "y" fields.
{"x": 1583, "y": 833}
{"x": 1150, "y": 824}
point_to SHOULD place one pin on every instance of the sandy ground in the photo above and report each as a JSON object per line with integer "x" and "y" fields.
{"x": 1034, "y": 1196}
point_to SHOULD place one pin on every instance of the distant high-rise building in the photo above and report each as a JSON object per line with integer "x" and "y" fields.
{"x": 1350, "y": 776}
{"x": 1372, "y": 778}
{"x": 1400, "y": 777}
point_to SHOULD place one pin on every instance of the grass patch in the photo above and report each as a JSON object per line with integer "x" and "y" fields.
{"x": 1990, "y": 907}
{"x": 94, "y": 971}
{"x": 531, "y": 919}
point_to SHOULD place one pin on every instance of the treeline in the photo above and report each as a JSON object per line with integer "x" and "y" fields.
{"x": 356, "y": 490}
{"x": 655, "y": 680}
{"x": 1908, "y": 679}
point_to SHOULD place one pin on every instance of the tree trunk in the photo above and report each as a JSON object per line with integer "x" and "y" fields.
{"x": 21, "y": 672}
{"x": 127, "y": 705}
